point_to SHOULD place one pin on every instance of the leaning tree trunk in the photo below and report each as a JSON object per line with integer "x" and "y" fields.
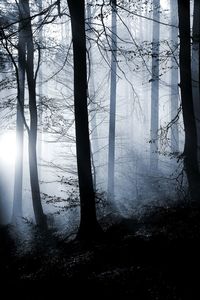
{"x": 155, "y": 87}
{"x": 174, "y": 76}
{"x": 35, "y": 189}
{"x": 112, "y": 121}
{"x": 18, "y": 180}
{"x": 89, "y": 226}
{"x": 190, "y": 149}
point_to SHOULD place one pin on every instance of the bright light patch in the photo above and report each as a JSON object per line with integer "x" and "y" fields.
{"x": 8, "y": 147}
{"x": 165, "y": 4}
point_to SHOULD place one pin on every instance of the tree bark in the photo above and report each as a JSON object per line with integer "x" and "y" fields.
{"x": 155, "y": 87}
{"x": 40, "y": 94}
{"x": 35, "y": 189}
{"x": 174, "y": 76}
{"x": 89, "y": 227}
{"x": 190, "y": 148}
{"x": 92, "y": 104}
{"x": 196, "y": 70}
{"x": 112, "y": 121}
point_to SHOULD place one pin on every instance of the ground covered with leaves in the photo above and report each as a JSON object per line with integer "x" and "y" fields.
{"x": 156, "y": 256}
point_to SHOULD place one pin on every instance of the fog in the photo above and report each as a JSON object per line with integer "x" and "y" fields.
{"x": 137, "y": 184}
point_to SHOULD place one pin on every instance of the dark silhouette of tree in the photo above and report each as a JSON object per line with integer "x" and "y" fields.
{"x": 174, "y": 76}
{"x": 89, "y": 227}
{"x": 190, "y": 148}
{"x": 26, "y": 61}
{"x": 32, "y": 134}
{"x": 40, "y": 88}
{"x": 155, "y": 87}
{"x": 196, "y": 37}
{"x": 91, "y": 93}
{"x": 195, "y": 68}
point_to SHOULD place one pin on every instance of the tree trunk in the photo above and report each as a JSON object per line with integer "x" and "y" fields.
{"x": 195, "y": 69}
{"x": 91, "y": 93}
{"x": 190, "y": 149}
{"x": 113, "y": 88}
{"x": 40, "y": 94}
{"x": 18, "y": 180}
{"x": 89, "y": 227}
{"x": 174, "y": 77}
{"x": 35, "y": 189}
{"x": 155, "y": 88}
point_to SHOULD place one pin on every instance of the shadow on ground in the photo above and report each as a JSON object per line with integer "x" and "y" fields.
{"x": 155, "y": 257}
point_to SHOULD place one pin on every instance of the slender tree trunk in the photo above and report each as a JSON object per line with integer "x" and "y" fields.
{"x": 174, "y": 76}
{"x": 190, "y": 149}
{"x": 93, "y": 108}
{"x": 35, "y": 189}
{"x": 18, "y": 180}
{"x": 142, "y": 95}
{"x": 155, "y": 87}
{"x": 40, "y": 94}
{"x": 148, "y": 35}
{"x": 89, "y": 226}
{"x": 196, "y": 70}
{"x": 113, "y": 88}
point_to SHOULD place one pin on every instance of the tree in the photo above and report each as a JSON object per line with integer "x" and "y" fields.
{"x": 32, "y": 134}
{"x": 17, "y": 201}
{"x": 1, "y": 185}
{"x": 89, "y": 227}
{"x": 195, "y": 68}
{"x": 190, "y": 148}
{"x": 174, "y": 76}
{"x": 91, "y": 93}
{"x": 40, "y": 87}
{"x": 155, "y": 87}
{"x": 113, "y": 89}
{"x": 26, "y": 60}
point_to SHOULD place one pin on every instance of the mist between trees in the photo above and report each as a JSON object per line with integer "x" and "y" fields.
{"x": 99, "y": 109}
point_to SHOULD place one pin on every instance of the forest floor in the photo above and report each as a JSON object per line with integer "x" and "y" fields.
{"x": 154, "y": 257}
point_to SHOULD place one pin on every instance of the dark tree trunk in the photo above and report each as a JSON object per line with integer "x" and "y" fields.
{"x": 174, "y": 76}
{"x": 17, "y": 201}
{"x": 195, "y": 69}
{"x": 190, "y": 149}
{"x": 40, "y": 93}
{"x": 93, "y": 106}
{"x": 196, "y": 36}
{"x": 155, "y": 87}
{"x": 35, "y": 189}
{"x": 89, "y": 226}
